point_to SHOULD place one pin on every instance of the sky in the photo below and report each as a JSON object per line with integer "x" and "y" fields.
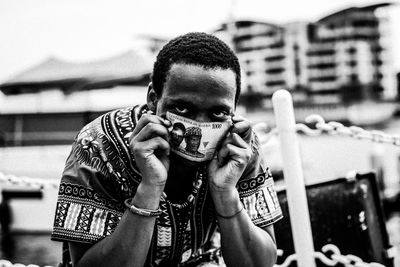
{"x": 87, "y": 30}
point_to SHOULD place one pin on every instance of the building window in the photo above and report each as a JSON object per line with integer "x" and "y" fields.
{"x": 297, "y": 68}
{"x": 274, "y": 70}
{"x": 275, "y": 83}
{"x": 352, "y": 63}
{"x": 327, "y": 52}
{"x": 274, "y": 58}
{"x": 354, "y": 78}
{"x": 322, "y": 66}
{"x": 378, "y": 62}
{"x": 377, "y": 49}
{"x": 365, "y": 23}
{"x": 351, "y": 50}
{"x": 323, "y": 79}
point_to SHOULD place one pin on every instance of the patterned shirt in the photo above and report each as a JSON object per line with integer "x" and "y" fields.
{"x": 100, "y": 173}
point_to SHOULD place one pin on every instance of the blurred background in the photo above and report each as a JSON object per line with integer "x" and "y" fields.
{"x": 63, "y": 63}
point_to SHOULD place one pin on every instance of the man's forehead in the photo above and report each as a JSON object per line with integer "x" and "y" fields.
{"x": 189, "y": 69}
{"x": 187, "y": 79}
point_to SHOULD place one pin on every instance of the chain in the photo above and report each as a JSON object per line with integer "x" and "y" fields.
{"x": 351, "y": 131}
{"x": 333, "y": 128}
{"x": 335, "y": 258}
{"x": 29, "y": 182}
{"x": 320, "y": 127}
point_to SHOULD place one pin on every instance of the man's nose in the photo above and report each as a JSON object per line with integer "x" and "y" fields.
{"x": 202, "y": 117}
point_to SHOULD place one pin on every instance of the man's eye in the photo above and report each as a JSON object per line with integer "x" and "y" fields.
{"x": 180, "y": 109}
{"x": 220, "y": 114}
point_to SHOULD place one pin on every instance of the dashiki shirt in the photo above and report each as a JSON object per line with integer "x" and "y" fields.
{"x": 100, "y": 173}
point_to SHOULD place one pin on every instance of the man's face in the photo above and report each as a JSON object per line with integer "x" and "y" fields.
{"x": 192, "y": 143}
{"x": 200, "y": 94}
{"x": 177, "y": 136}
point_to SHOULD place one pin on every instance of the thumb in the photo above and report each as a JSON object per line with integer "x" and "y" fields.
{"x": 164, "y": 158}
{"x": 213, "y": 165}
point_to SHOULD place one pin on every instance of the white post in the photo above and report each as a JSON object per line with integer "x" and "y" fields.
{"x": 293, "y": 174}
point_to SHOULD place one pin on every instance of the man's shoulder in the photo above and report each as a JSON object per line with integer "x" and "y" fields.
{"x": 115, "y": 120}
{"x": 102, "y": 146}
{"x": 109, "y": 133}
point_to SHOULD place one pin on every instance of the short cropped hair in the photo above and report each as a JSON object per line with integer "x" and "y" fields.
{"x": 199, "y": 49}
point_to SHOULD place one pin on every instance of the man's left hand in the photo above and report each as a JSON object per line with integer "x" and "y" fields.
{"x": 231, "y": 160}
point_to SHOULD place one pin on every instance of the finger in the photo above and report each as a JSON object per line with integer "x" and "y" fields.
{"x": 226, "y": 140}
{"x": 222, "y": 155}
{"x": 149, "y": 118}
{"x": 243, "y": 128}
{"x": 238, "y": 141}
{"x": 234, "y": 138}
{"x": 152, "y": 130}
{"x": 152, "y": 145}
{"x": 163, "y": 118}
{"x": 240, "y": 155}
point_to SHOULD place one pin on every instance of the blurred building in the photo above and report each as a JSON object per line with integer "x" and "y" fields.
{"x": 345, "y": 56}
{"x": 260, "y": 49}
{"x": 49, "y": 103}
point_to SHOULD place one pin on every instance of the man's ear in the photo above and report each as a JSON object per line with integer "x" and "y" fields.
{"x": 152, "y": 98}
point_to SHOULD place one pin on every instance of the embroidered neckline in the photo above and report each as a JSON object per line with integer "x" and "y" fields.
{"x": 200, "y": 174}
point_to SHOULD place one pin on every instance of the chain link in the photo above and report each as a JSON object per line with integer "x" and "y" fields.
{"x": 333, "y": 128}
{"x": 321, "y": 127}
{"x": 335, "y": 258}
{"x": 351, "y": 131}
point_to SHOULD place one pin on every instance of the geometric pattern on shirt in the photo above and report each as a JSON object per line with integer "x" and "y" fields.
{"x": 84, "y": 215}
{"x": 249, "y": 186}
{"x": 260, "y": 200}
{"x": 79, "y": 193}
{"x": 61, "y": 214}
{"x": 162, "y": 253}
{"x": 97, "y": 146}
{"x": 164, "y": 236}
{"x": 81, "y": 217}
{"x": 164, "y": 218}
{"x": 117, "y": 125}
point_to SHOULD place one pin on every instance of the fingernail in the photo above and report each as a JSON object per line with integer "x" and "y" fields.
{"x": 166, "y": 122}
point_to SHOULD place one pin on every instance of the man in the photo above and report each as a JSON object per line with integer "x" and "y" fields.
{"x": 177, "y": 134}
{"x": 125, "y": 200}
{"x": 192, "y": 139}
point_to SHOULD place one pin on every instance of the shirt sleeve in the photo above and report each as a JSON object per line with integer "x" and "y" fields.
{"x": 257, "y": 191}
{"x": 87, "y": 207}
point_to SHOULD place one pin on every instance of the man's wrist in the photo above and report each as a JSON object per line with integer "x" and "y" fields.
{"x": 148, "y": 196}
{"x": 226, "y": 202}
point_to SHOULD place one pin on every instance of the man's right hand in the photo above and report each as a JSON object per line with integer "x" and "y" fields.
{"x": 150, "y": 145}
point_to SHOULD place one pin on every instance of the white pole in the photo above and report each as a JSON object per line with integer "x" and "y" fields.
{"x": 293, "y": 174}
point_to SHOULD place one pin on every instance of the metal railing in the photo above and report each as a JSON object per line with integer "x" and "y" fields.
{"x": 320, "y": 127}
